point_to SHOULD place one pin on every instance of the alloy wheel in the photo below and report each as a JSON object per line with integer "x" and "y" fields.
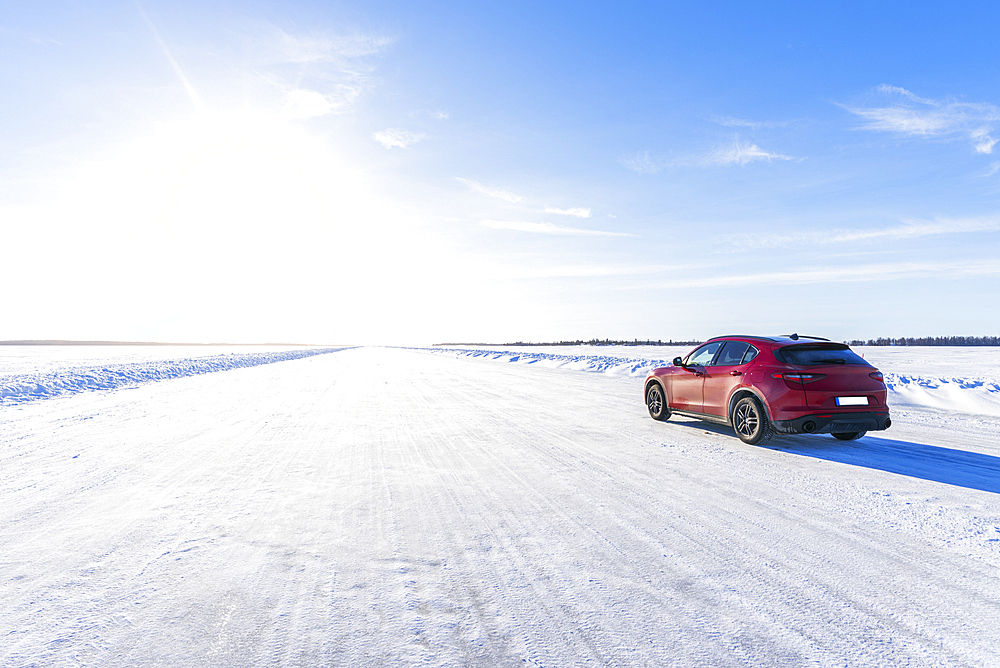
{"x": 747, "y": 419}
{"x": 655, "y": 400}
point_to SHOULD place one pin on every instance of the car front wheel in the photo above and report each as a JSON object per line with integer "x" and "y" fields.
{"x": 657, "y": 403}
{"x": 750, "y": 421}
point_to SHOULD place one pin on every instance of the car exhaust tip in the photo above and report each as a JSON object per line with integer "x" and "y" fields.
{"x": 888, "y": 423}
{"x": 809, "y": 427}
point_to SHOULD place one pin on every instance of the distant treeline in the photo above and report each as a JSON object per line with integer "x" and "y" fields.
{"x": 591, "y": 342}
{"x": 931, "y": 341}
{"x": 906, "y": 341}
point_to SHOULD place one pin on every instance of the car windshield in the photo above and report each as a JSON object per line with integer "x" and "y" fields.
{"x": 815, "y": 354}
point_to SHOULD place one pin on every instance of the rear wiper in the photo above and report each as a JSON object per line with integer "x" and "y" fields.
{"x": 837, "y": 361}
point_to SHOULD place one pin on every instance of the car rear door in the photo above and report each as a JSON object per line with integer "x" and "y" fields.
{"x": 725, "y": 374}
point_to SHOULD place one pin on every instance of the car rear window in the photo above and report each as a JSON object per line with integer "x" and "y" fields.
{"x": 815, "y": 354}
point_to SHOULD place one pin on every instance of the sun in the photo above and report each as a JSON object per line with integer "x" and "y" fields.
{"x": 223, "y": 222}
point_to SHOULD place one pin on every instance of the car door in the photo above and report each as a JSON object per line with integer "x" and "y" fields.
{"x": 724, "y": 375}
{"x": 686, "y": 383}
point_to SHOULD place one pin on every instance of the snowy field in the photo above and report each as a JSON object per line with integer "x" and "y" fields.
{"x": 388, "y": 507}
{"x": 965, "y": 380}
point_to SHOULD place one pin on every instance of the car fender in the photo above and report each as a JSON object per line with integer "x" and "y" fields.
{"x": 663, "y": 387}
{"x": 752, "y": 390}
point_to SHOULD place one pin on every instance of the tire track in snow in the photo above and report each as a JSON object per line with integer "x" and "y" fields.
{"x": 882, "y": 556}
{"x": 695, "y": 633}
{"x": 544, "y": 505}
{"x": 174, "y": 470}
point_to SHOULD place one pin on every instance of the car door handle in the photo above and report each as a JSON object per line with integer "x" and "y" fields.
{"x": 735, "y": 373}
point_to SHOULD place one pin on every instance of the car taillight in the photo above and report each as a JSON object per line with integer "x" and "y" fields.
{"x": 800, "y": 377}
{"x": 877, "y": 375}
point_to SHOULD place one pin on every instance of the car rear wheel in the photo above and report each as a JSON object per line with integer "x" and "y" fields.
{"x": 849, "y": 435}
{"x": 750, "y": 421}
{"x": 656, "y": 403}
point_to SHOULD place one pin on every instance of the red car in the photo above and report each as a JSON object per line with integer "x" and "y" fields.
{"x": 764, "y": 385}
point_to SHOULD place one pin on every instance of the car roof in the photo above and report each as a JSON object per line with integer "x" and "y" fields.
{"x": 783, "y": 339}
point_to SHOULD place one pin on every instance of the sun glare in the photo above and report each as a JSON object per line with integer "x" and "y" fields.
{"x": 216, "y": 214}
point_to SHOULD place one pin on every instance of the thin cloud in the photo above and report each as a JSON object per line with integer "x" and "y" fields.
{"x": 983, "y": 142}
{"x": 742, "y": 153}
{"x": 738, "y": 153}
{"x": 391, "y": 137}
{"x": 489, "y": 191}
{"x": 730, "y": 122}
{"x": 910, "y": 229}
{"x": 641, "y": 163}
{"x": 897, "y": 271}
{"x": 335, "y": 49}
{"x": 575, "y": 271}
{"x": 39, "y": 39}
{"x": 906, "y": 114}
{"x": 549, "y": 228}
{"x": 578, "y": 212}
{"x": 436, "y": 115}
{"x": 317, "y": 73}
{"x": 897, "y": 90}
{"x": 302, "y": 104}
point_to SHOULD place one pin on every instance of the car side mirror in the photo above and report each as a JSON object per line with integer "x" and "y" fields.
{"x": 678, "y": 362}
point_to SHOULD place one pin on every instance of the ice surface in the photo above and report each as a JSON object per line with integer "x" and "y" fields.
{"x": 399, "y": 507}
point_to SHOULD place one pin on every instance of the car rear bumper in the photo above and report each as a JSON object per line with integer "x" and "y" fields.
{"x": 827, "y": 423}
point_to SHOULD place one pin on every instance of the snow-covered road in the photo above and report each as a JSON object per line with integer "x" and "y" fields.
{"x": 397, "y": 507}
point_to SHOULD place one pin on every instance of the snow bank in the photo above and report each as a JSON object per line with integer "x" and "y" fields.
{"x": 980, "y": 396}
{"x": 21, "y": 388}
{"x": 608, "y": 364}
{"x": 974, "y": 395}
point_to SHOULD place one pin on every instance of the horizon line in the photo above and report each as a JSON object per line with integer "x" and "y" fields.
{"x": 69, "y": 342}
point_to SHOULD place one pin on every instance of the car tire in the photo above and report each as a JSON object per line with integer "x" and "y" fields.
{"x": 750, "y": 421}
{"x": 849, "y": 435}
{"x": 657, "y": 403}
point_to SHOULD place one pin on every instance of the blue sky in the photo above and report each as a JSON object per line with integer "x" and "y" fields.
{"x": 412, "y": 173}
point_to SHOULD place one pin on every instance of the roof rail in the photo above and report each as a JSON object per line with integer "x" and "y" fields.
{"x": 743, "y": 336}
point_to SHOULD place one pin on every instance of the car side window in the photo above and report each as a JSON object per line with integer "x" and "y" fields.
{"x": 749, "y": 355}
{"x": 732, "y": 353}
{"x": 703, "y": 356}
